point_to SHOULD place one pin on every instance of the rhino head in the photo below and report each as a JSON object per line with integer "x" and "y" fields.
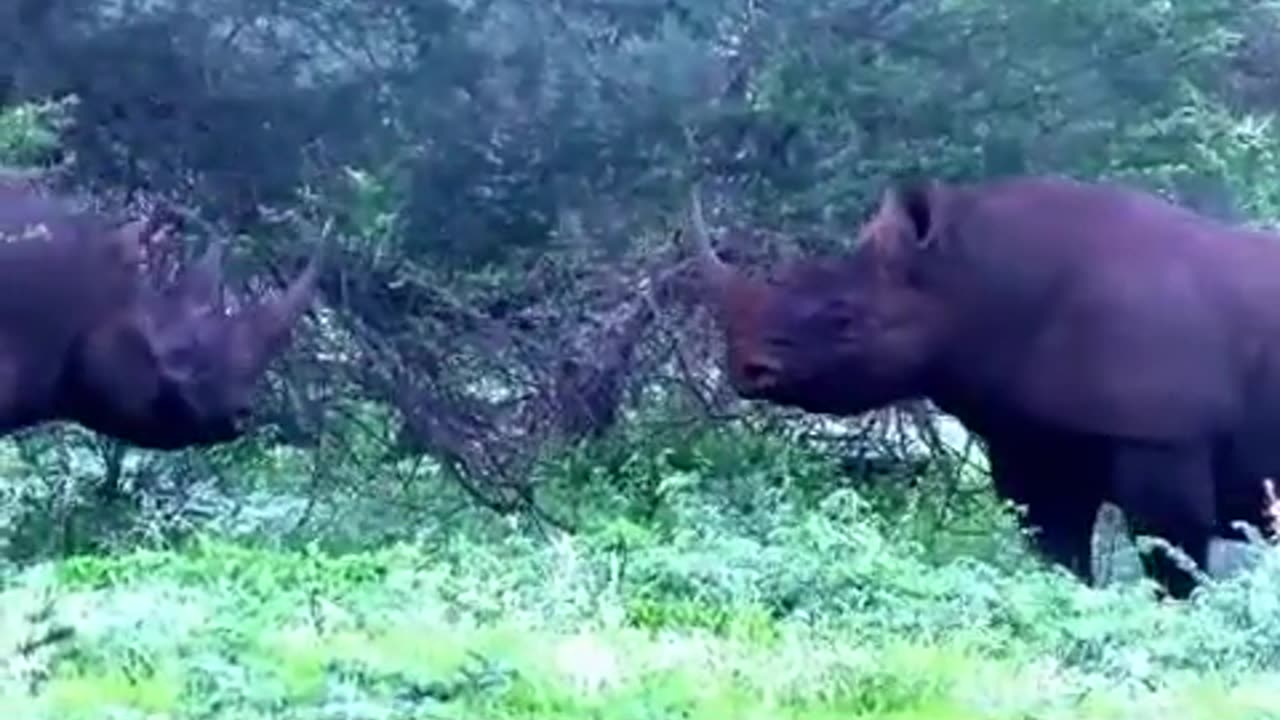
{"x": 173, "y": 367}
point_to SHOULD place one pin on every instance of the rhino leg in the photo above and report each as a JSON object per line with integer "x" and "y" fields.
{"x": 1167, "y": 491}
{"x": 1056, "y": 478}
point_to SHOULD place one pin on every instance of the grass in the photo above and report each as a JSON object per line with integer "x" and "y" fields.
{"x": 816, "y": 617}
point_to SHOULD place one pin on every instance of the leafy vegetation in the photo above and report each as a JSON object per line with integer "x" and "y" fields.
{"x": 775, "y": 599}
{"x": 501, "y": 476}
{"x": 809, "y": 614}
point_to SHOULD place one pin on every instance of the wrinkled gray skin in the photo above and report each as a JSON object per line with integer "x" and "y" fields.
{"x": 84, "y": 338}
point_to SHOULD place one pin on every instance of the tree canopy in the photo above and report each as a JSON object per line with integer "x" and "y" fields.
{"x": 504, "y": 177}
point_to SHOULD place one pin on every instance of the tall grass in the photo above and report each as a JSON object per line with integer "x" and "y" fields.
{"x": 818, "y": 616}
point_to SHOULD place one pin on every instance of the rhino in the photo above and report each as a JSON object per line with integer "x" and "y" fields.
{"x": 86, "y": 338}
{"x": 1105, "y": 344}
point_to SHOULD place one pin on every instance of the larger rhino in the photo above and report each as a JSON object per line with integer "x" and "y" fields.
{"x": 1104, "y": 343}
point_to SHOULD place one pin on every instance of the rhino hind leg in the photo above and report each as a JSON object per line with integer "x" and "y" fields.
{"x": 1167, "y": 491}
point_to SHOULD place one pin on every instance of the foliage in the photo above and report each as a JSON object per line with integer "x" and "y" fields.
{"x": 29, "y": 133}
{"x": 819, "y": 615}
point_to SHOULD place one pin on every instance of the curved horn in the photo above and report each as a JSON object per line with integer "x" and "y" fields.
{"x": 275, "y": 320}
{"x": 209, "y": 266}
{"x": 211, "y": 261}
{"x": 714, "y": 270}
{"x": 201, "y": 284}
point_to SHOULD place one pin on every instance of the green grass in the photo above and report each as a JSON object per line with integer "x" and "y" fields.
{"x": 818, "y": 618}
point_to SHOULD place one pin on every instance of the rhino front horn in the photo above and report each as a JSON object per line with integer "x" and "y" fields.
{"x": 715, "y": 272}
{"x": 276, "y": 319}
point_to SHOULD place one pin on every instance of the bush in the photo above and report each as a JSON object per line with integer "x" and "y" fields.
{"x": 30, "y": 133}
{"x": 804, "y": 611}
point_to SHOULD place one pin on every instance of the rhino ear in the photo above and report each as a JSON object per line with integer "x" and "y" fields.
{"x": 912, "y": 217}
{"x": 918, "y": 208}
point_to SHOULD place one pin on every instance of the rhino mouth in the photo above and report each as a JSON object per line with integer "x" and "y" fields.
{"x": 818, "y": 393}
{"x": 184, "y": 422}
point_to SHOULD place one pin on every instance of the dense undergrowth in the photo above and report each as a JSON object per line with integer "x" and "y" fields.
{"x": 780, "y": 600}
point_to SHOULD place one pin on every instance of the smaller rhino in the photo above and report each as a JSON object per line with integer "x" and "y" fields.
{"x": 85, "y": 338}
